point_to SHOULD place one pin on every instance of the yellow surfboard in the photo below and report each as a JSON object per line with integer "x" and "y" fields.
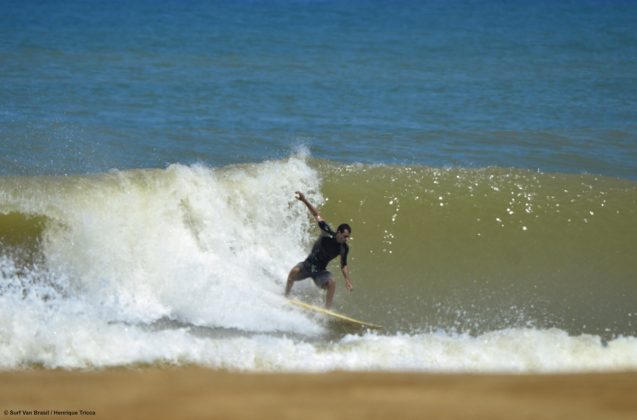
{"x": 335, "y": 316}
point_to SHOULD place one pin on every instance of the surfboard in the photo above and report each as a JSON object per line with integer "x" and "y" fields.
{"x": 335, "y": 316}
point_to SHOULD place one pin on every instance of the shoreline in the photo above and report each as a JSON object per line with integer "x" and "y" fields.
{"x": 198, "y": 393}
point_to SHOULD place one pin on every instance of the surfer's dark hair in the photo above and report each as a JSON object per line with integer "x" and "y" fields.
{"x": 343, "y": 227}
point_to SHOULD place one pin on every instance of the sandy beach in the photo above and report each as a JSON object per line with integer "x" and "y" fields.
{"x": 198, "y": 393}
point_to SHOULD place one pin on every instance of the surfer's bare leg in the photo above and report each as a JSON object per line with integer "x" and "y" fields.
{"x": 295, "y": 274}
{"x": 331, "y": 288}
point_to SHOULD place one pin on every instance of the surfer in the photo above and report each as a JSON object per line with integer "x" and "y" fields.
{"x": 327, "y": 247}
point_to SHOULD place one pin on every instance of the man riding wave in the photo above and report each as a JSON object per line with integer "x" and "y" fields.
{"x": 327, "y": 247}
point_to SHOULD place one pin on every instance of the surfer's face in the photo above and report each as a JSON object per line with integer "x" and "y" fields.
{"x": 342, "y": 237}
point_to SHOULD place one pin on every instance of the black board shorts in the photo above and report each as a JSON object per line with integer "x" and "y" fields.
{"x": 321, "y": 277}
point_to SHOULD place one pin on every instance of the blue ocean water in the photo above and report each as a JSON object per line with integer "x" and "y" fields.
{"x": 89, "y": 86}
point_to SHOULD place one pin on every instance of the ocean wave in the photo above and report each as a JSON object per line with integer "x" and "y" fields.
{"x": 187, "y": 265}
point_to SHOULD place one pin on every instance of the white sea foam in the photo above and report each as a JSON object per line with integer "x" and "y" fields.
{"x": 73, "y": 336}
{"x": 202, "y": 246}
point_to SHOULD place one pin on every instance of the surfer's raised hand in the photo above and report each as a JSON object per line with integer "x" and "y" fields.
{"x": 301, "y": 197}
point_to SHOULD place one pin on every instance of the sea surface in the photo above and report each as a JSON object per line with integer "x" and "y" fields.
{"x": 484, "y": 153}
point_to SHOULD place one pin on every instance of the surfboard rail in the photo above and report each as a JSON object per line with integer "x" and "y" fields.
{"x": 335, "y": 315}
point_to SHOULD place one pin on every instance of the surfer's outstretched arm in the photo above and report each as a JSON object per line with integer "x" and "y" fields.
{"x": 301, "y": 197}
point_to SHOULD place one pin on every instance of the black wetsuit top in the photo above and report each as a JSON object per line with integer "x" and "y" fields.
{"x": 325, "y": 249}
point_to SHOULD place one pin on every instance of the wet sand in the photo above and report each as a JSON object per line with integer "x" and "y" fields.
{"x": 199, "y": 393}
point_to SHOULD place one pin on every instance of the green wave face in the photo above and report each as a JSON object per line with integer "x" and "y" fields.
{"x": 488, "y": 248}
